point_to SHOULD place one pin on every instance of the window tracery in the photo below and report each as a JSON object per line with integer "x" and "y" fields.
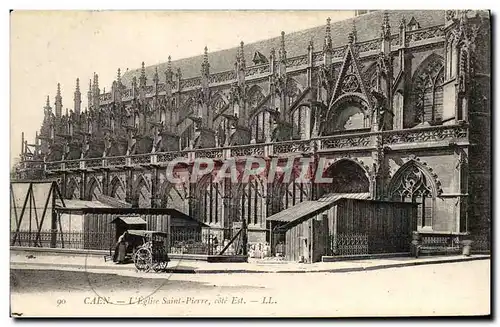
{"x": 428, "y": 92}
{"x": 350, "y": 84}
{"x": 412, "y": 185}
{"x": 255, "y": 96}
{"x": 251, "y": 202}
{"x": 211, "y": 205}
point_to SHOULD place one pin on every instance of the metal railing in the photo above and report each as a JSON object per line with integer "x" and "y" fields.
{"x": 183, "y": 241}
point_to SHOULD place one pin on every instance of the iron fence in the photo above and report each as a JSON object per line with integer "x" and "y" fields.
{"x": 66, "y": 240}
{"x": 206, "y": 242}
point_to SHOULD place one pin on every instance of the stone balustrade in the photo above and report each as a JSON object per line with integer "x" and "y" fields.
{"x": 346, "y": 142}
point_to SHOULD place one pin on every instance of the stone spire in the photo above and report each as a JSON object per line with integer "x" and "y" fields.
{"x": 327, "y": 46}
{"x": 97, "y": 92}
{"x": 77, "y": 97}
{"x": 96, "y": 83}
{"x": 134, "y": 86}
{"x": 386, "y": 28}
{"x": 386, "y": 35}
{"x": 156, "y": 78}
{"x": 142, "y": 79}
{"x": 119, "y": 77}
{"x": 168, "y": 73}
{"x": 242, "y": 56}
{"x": 205, "y": 66}
{"x": 402, "y": 32}
{"x": 282, "y": 52}
{"x": 47, "y": 109}
{"x": 58, "y": 102}
{"x": 89, "y": 95}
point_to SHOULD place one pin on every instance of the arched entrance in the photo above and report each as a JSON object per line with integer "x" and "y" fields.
{"x": 347, "y": 176}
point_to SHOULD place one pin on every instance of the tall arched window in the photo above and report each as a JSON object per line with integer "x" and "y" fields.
{"x": 428, "y": 91}
{"x": 211, "y": 202}
{"x": 187, "y": 136}
{"x": 251, "y": 202}
{"x": 292, "y": 91}
{"x": 300, "y": 126}
{"x": 255, "y": 97}
{"x": 410, "y": 184}
{"x": 258, "y": 127}
{"x": 221, "y": 129}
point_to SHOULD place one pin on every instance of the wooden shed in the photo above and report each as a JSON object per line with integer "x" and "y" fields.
{"x": 93, "y": 225}
{"x": 343, "y": 224}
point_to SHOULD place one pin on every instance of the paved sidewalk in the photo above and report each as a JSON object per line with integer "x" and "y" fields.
{"x": 59, "y": 262}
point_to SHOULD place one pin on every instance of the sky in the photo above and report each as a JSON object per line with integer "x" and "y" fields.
{"x": 50, "y": 47}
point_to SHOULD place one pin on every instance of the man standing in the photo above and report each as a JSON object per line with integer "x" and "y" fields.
{"x": 121, "y": 248}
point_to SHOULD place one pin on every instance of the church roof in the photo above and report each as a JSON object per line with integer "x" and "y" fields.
{"x": 367, "y": 27}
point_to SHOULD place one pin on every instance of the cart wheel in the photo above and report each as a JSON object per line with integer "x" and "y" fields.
{"x": 143, "y": 259}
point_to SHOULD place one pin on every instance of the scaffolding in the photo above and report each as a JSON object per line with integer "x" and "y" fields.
{"x": 31, "y": 202}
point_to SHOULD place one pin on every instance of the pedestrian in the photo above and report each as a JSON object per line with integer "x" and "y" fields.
{"x": 121, "y": 248}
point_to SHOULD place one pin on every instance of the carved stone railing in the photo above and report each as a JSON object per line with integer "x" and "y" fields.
{"x": 140, "y": 159}
{"x": 190, "y": 82}
{"x": 72, "y": 164}
{"x": 162, "y": 157}
{"x": 371, "y": 45}
{"x": 299, "y": 146}
{"x": 212, "y": 153}
{"x": 222, "y": 77}
{"x": 338, "y": 52}
{"x": 53, "y": 165}
{"x": 257, "y": 70}
{"x": 297, "y": 61}
{"x": 93, "y": 163}
{"x": 424, "y": 34}
{"x": 116, "y": 161}
{"x": 248, "y": 150}
{"x": 317, "y": 57}
{"x": 425, "y": 134}
{"x": 345, "y": 142}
